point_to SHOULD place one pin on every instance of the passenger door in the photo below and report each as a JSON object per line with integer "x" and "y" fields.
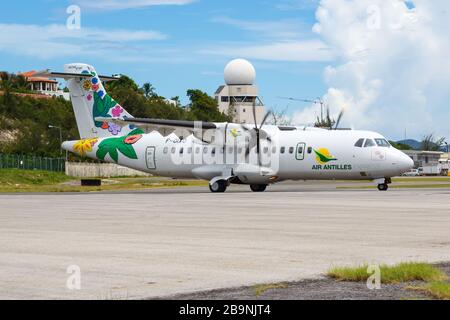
{"x": 150, "y": 158}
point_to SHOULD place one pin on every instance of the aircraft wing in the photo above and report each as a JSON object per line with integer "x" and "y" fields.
{"x": 165, "y": 127}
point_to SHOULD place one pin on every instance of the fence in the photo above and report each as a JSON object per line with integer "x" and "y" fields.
{"x": 24, "y": 162}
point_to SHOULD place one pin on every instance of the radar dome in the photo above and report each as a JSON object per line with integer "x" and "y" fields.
{"x": 240, "y": 72}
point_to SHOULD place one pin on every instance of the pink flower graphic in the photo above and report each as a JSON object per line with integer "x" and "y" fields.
{"x": 117, "y": 111}
{"x": 89, "y": 97}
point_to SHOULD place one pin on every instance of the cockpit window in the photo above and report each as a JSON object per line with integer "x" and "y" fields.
{"x": 359, "y": 143}
{"x": 369, "y": 143}
{"x": 382, "y": 143}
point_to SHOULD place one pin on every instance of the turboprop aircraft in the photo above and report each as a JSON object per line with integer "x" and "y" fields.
{"x": 257, "y": 154}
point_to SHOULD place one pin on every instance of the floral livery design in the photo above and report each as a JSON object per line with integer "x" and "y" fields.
{"x": 124, "y": 145}
{"x": 82, "y": 147}
{"x": 103, "y": 105}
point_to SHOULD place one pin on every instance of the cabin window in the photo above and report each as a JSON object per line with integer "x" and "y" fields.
{"x": 189, "y": 150}
{"x": 266, "y": 150}
{"x": 309, "y": 150}
{"x": 213, "y": 151}
{"x": 197, "y": 150}
{"x": 382, "y": 143}
{"x": 274, "y": 150}
{"x": 181, "y": 150}
{"x": 205, "y": 150}
{"x": 230, "y": 150}
{"x": 359, "y": 143}
{"x": 166, "y": 149}
{"x": 291, "y": 150}
{"x": 174, "y": 150}
{"x": 240, "y": 150}
{"x": 283, "y": 150}
{"x": 369, "y": 143}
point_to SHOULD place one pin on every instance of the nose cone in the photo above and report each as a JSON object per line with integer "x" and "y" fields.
{"x": 405, "y": 162}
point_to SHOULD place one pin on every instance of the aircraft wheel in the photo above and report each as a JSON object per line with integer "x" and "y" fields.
{"x": 218, "y": 186}
{"x": 383, "y": 187}
{"x": 258, "y": 187}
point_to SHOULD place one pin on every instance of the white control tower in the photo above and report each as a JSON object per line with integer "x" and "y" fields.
{"x": 240, "y": 93}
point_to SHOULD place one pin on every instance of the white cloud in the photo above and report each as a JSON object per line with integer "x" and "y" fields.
{"x": 120, "y": 4}
{"x": 294, "y": 51}
{"x": 393, "y": 65}
{"x": 53, "y": 41}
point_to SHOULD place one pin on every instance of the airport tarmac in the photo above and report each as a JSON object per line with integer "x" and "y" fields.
{"x": 164, "y": 242}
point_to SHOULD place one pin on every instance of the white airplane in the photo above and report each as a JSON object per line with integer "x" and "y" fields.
{"x": 222, "y": 153}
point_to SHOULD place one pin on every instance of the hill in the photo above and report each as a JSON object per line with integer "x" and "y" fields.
{"x": 413, "y": 144}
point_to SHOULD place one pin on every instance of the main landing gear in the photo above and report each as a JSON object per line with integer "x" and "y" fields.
{"x": 384, "y": 186}
{"x": 219, "y": 186}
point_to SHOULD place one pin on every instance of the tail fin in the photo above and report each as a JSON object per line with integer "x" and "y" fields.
{"x": 90, "y": 101}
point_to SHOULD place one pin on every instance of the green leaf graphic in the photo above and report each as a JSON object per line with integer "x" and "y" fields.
{"x": 113, "y": 146}
{"x": 324, "y": 158}
{"x": 101, "y": 107}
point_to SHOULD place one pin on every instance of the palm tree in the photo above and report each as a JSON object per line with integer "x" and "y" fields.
{"x": 149, "y": 90}
{"x": 20, "y": 82}
{"x": 430, "y": 143}
{"x": 327, "y": 122}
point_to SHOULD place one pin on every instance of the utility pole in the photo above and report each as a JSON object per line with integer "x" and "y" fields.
{"x": 60, "y": 137}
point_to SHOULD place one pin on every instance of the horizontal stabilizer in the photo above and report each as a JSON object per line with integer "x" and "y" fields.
{"x": 67, "y": 76}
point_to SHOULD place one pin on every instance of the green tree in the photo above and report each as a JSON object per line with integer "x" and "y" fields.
{"x": 6, "y": 86}
{"x": 205, "y": 108}
{"x": 400, "y": 146}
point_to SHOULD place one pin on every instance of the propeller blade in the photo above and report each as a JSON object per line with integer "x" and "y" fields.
{"x": 254, "y": 113}
{"x": 341, "y": 114}
{"x": 268, "y": 114}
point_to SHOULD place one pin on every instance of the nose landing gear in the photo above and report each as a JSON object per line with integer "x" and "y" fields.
{"x": 258, "y": 187}
{"x": 383, "y": 187}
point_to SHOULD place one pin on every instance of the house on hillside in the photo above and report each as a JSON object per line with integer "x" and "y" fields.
{"x": 45, "y": 86}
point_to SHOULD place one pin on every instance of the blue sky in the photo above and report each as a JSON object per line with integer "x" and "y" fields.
{"x": 385, "y": 62}
{"x": 188, "y": 55}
